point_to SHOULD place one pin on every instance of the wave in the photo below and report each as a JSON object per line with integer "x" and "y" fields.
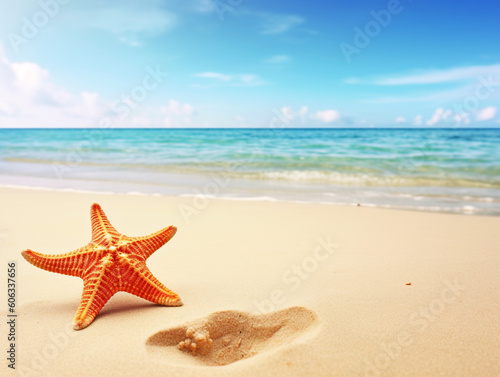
{"x": 370, "y": 180}
{"x": 345, "y": 176}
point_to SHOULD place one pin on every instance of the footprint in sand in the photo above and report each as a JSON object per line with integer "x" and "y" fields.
{"x": 225, "y": 337}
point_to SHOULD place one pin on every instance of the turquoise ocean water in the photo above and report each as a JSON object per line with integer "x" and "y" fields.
{"x": 449, "y": 170}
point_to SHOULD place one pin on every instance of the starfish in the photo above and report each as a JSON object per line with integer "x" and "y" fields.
{"x": 110, "y": 263}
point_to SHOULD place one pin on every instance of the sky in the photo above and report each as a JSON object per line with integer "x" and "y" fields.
{"x": 249, "y": 63}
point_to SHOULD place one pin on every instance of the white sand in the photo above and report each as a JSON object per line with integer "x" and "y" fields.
{"x": 349, "y": 266}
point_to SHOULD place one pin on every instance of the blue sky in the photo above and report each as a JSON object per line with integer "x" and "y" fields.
{"x": 249, "y": 63}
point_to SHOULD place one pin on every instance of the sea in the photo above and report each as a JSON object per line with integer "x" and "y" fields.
{"x": 440, "y": 170}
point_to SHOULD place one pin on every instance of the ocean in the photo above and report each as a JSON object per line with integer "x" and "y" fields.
{"x": 441, "y": 170}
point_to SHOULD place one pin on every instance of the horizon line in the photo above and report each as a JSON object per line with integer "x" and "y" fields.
{"x": 251, "y": 128}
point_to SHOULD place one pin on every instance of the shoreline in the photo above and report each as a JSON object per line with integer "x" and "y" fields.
{"x": 200, "y": 195}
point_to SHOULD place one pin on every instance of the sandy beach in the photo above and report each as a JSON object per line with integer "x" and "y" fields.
{"x": 282, "y": 289}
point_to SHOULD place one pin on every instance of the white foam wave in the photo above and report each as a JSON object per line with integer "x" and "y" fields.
{"x": 359, "y": 179}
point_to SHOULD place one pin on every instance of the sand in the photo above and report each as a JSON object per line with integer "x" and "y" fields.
{"x": 269, "y": 289}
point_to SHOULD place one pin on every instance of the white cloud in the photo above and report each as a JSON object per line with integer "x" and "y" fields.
{"x": 417, "y": 121}
{"x": 439, "y": 115}
{"x": 468, "y": 73}
{"x": 287, "y": 114}
{"x": 214, "y": 75}
{"x": 436, "y": 117}
{"x": 276, "y": 59}
{"x": 29, "y": 98}
{"x": 32, "y": 81}
{"x": 400, "y": 120}
{"x": 177, "y": 114}
{"x": 327, "y": 116}
{"x": 486, "y": 114}
{"x": 243, "y": 79}
{"x": 29, "y": 76}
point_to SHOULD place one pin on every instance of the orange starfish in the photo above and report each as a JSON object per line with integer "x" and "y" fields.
{"x": 110, "y": 263}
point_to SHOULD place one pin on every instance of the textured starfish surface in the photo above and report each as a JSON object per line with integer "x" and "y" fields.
{"x": 110, "y": 263}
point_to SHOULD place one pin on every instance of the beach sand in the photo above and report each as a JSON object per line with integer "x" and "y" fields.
{"x": 280, "y": 289}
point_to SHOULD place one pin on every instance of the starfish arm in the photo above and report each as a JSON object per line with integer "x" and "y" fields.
{"x": 73, "y": 263}
{"x": 139, "y": 281}
{"x": 145, "y": 246}
{"x": 102, "y": 230}
{"x": 98, "y": 287}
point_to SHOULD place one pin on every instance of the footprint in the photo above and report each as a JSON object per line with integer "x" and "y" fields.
{"x": 225, "y": 337}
